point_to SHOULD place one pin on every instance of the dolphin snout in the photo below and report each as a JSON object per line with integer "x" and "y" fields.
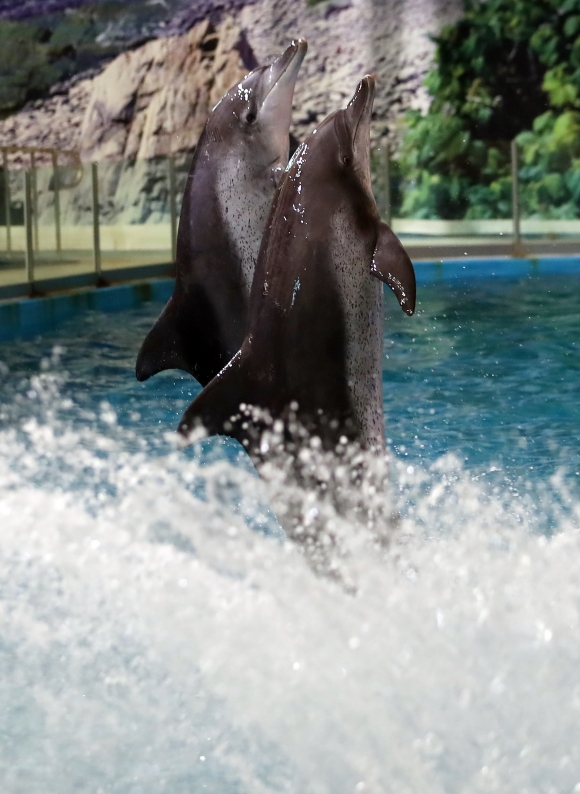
{"x": 292, "y": 57}
{"x": 284, "y": 71}
{"x": 360, "y": 107}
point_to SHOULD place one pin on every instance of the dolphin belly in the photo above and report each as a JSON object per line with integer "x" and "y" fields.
{"x": 362, "y": 301}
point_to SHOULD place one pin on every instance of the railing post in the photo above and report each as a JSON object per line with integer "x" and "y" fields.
{"x": 516, "y": 198}
{"x": 386, "y": 158}
{"x": 173, "y": 207}
{"x": 7, "y": 201}
{"x": 33, "y": 175}
{"x": 28, "y": 232}
{"x": 56, "y": 185}
{"x": 96, "y": 227}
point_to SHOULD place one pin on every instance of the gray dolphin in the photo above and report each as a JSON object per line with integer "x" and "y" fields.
{"x": 237, "y": 166}
{"x": 314, "y": 345}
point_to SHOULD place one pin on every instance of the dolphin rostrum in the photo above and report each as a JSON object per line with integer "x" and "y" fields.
{"x": 313, "y": 350}
{"x": 237, "y": 166}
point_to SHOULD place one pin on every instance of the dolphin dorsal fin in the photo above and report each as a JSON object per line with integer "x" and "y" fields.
{"x": 161, "y": 348}
{"x": 391, "y": 264}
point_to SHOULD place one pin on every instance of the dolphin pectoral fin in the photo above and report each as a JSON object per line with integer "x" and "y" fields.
{"x": 217, "y": 405}
{"x": 161, "y": 348}
{"x": 391, "y": 264}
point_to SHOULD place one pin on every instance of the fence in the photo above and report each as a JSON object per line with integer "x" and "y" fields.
{"x": 59, "y": 217}
{"x": 523, "y": 222}
{"x": 67, "y": 218}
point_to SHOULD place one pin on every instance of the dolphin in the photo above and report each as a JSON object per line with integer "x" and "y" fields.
{"x": 238, "y": 162}
{"x": 313, "y": 352}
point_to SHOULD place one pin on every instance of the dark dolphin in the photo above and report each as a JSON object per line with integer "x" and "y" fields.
{"x": 315, "y": 339}
{"x": 237, "y": 165}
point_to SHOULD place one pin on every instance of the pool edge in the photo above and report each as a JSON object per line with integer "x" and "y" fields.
{"x": 29, "y": 317}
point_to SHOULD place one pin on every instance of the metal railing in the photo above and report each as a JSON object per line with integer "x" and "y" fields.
{"x": 383, "y": 179}
{"x": 102, "y": 212}
{"x": 31, "y": 241}
{"x": 32, "y": 153}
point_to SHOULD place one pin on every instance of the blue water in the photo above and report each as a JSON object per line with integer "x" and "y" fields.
{"x": 487, "y": 371}
{"x": 152, "y": 643}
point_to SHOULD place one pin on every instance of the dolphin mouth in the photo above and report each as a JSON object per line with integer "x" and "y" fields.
{"x": 285, "y": 68}
{"x": 360, "y": 107}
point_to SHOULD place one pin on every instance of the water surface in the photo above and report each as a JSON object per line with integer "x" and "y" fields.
{"x": 151, "y": 641}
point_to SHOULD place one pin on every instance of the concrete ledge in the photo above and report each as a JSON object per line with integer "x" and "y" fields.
{"x": 127, "y": 237}
{"x": 470, "y": 228}
{"x": 33, "y": 316}
{"x": 29, "y": 318}
{"x": 157, "y": 236}
{"x": 126, "y": 274}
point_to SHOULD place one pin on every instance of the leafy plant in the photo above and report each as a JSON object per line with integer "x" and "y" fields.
{"x": 508, "y": 69}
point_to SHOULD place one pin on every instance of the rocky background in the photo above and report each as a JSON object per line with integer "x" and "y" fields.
{"x": 153, "y": 99}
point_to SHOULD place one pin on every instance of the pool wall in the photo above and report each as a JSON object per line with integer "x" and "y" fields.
{"x": 31, "y": 317}
{"x": 494, "y": 267}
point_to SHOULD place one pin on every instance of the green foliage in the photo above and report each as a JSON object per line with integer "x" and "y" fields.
{"x": 508, "y": 69}
{"x": 24, "y": 69}
{"x": 551, "y": 166}
{"x": 35, "y": 55}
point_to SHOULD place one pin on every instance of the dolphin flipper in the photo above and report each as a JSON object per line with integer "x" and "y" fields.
{"x": 252, "y": 390}
{"x": 161, "y": 348}
{"x": 391, "y": 264}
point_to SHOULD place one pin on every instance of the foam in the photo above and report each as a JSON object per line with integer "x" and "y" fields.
{"x": 153, "y": 642}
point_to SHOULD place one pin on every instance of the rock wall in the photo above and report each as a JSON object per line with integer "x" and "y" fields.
{"x": 148, "y": 102}
{"x": 153, "y": 100}
{"x": 348, "y": 39}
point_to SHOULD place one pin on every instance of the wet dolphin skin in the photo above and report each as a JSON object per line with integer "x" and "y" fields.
{"x": 237, "y": 165}
{"x": 314, "y": 342}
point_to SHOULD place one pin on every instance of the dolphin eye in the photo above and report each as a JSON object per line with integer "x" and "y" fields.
{"x": 251, "y": 117}
{"x": 346, "y": 160}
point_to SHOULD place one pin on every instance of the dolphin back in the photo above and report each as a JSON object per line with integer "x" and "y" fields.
{"x": 291, "y": 366}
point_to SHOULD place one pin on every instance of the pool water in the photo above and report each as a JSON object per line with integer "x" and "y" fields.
{"x": 153, "y": 641}
{"x": 491, "y": 372}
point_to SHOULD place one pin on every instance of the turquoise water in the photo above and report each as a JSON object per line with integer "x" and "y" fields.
{"x": 489, "y": 371}
{"x": 151, "y": 642}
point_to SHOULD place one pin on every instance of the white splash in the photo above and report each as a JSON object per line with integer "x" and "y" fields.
{"x": 152, "y": 642}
